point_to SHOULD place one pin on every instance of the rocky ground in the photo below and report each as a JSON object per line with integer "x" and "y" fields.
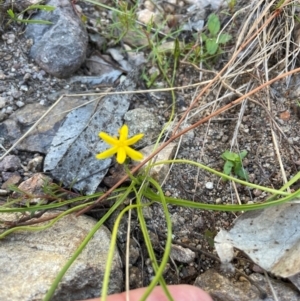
{"x": 28, "y": 87}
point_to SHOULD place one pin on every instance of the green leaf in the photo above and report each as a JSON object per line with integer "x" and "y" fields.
{"x": 204, "y": 37}
{"x": 227, "y": 155}
{"x": 243, "y": 154}
{"x": 44, "y": 22}
{"x": 213, "y": 24}
{"x": 243, "y": 174}
{"x": 240, "y": 171}
{"x": 211, "y": 46}
{"x": 224, "y": 38}
{"x": 209, "y": 236}
{"x": 41, "y": 7}
{"x": 228, "y": 167}
{"x": 11, "y": 13}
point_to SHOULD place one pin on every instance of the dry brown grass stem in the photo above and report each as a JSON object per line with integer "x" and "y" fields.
{"x": 233, "y": 58}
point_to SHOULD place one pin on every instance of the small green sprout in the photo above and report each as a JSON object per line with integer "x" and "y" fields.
{"x": 121, "y": 146}
{"x": 16, "y": 17}
{"x": 233, "y": 163}
{"x": 214, "y": 40}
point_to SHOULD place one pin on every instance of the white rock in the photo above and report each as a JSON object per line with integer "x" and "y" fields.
{"x": 24, "y": 87}
{"x": 181, "y": 254}
{"x": 115, "y": 53}
{"x": 20, "y": 103}
{"x": 9, "y": 110}
{"x": 149, "y": 5}
{"x": 145, "y": 16}
{"x": 209, "y": 185}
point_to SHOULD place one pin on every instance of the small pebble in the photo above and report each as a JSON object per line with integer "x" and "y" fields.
{"x": 16, "y": 94}
{"x": 167, "y": 193}
{"x": 3, "y": 192}
{"x": 11, "y": 38}
{"x": 9, "y": 110}
{"x": 2, "y": 102}
{"x": 24, "y": 87}
{"x": 3, "y": 116}
{"x": 20, "y": 103}
{"x": 218, "y": 201}
{"x": 257, "y": 192}
{"x": 209, "y": 185}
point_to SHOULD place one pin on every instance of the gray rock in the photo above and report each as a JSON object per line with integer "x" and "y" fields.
{"x": 143, "y": 121}
{"x": 71, "y": 158}
{"x": 6, "y": 175}
{"x": 30, "y": 261}
{"x": 10, "y": 130}
{"x": 10, "y": 163}
{"x": 41, "y": 137}
{"x": 59, "y": 48}
{"x": 3, "y": 116}
{"x": 134, "y": 252}
{"x": 223, "y": 288}
{"x": 20, "y": 104}
{"x": 181, "y": 254}
{"x": 2, "y": 102}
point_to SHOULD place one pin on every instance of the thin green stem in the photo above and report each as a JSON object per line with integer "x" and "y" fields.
{"x": 40, "y": 228}
{"x": 112, "y": 247}
{"x": 229, "y": 208}
{"x": 211, "y": 170}
{"x": 158, "y": 269}
{"x": 83, "y": 244}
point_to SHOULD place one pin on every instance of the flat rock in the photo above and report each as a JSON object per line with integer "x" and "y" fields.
{"x": 59, "y": 48}
{"x": 41, "y": 137}
{"x": 30, "y": 261}
{"x": 71, "y": 158}
{"x": 223, "y": 288}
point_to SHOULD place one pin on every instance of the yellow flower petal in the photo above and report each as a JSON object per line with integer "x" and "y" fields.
{"x": 108, "y": 153}
{"x": 121, "y": 146}
{"x": 133, "y": 154}
{"x": 123, "y": 133}
{"x": 134, "y": 139}
{"x": 108, "y": 139}
{"x": 121, "y": 155}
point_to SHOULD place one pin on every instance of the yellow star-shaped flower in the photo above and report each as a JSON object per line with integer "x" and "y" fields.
{"x": 121, "y": 146}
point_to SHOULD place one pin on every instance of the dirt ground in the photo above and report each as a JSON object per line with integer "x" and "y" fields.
{"x": 246, "y": 126}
